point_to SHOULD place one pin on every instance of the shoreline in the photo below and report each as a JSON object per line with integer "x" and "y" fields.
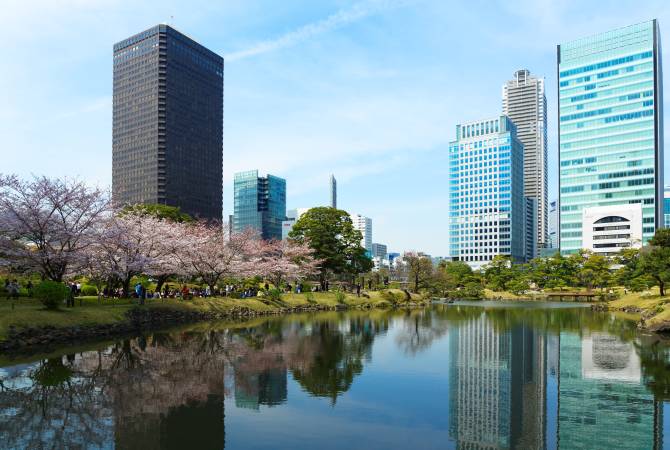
{"x": 137, "y": 319}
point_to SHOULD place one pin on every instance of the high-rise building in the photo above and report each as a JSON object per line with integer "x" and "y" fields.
{"x": 379, "y": 250}
{"x": 260, "y": 204}
{"x": 333, "y": 192}
{"x": 610, "y": 127}
{"x": 666, "y": 207}
{"x": 553, "y": 224}
{"x": 524, "y": 102}
{"x": 530, "y": 231}
{"x": 364, "y": 225}
{"x": 167, "y": 134}
{"x": 486, "y": 213}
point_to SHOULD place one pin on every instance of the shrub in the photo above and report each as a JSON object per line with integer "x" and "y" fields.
{"x": 51, "y": 293}
{"x": 274, "y": 294}
{"x": 340, "y": 297}
{"x": 89, "y": 290}
{"x": 391, "y": 297}
{"x": 309, "y": 296}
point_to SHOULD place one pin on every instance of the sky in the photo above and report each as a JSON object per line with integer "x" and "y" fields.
{"x": 368, "y": 90}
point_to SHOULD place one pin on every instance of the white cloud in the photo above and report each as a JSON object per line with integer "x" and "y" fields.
{"x": 337, "y": 20}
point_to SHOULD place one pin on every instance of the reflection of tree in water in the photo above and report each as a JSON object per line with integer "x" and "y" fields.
{"x": 154, "y": 391}
{"x": 421, "y": 328}
{"x": 654, "y": 354}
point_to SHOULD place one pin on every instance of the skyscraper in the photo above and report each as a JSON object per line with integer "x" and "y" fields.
{"x": 524, "y": 102}
{"x": 333, "y": 192}
{"x": 610, "y": 130}
{"x": 364, "y": 225}
{"x": 553, "y": 224}
{"x": 486, "y": 202}
{"x": 260, "y": 204}
{"x": 168, "y": 123}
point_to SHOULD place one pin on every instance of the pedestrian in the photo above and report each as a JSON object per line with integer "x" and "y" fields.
{"x": 358, "y": 290}
{"x": 14, "y": 289}
{"x": 71, "y": 294}
{"x": 7, "y": 283}
{"x": 267, "y": 286}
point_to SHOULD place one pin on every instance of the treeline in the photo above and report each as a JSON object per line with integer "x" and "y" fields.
{"x": 635, "y": 269}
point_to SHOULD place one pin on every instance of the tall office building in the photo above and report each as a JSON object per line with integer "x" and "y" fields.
{"x": 364, "y": 225}
{"x": 486, "y": 202}
{"x": 379, "y": 250}
{"x": 553, "y": 224}
{"x": 333, "y": 192}
{"x": 260, "y": 204}
{"x": 525, "y": 103}
{"x": 168, "y": 123}
{"x": 666, "y": 207}
{"x": 610, "y": 129}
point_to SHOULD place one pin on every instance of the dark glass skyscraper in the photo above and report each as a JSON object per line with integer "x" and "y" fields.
{"x": 168, "y": 123}
{"x": 260, "y": 203}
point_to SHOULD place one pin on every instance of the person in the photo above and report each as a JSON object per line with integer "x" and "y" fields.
{"x": 14, "y": 288}
{"x": 138, "y": 290}
{"x": 184, "y": 292}
{"x": 7, "y": 283}
{"x": 267, "y": 286}
{"x": 358, "y": 290}
{"x": 71, "y": 294}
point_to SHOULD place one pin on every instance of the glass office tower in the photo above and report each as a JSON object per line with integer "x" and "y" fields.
{"x": 610, "y": 127}
{"x": 260, "y": 204}
{"x": 486, "y": 201}
{"x": 167, "y": 134}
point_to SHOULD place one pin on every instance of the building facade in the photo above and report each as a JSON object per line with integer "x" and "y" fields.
{"x": 260, "y": 204}
{"x": 364, "y": 225}
{"x": 486, "y": 214}
{"x": 167, "y": 133}
{"x": 610, "y": 127}
{"x": 379, "y": 250}
{"x": 530, "y": 232}
{"x": 666, "y": 207}
{"x": 525, "y": 102}
{"x": 333, "y": 192}
{"x": 609, "y": 229}
{"x": 553, "y": 225}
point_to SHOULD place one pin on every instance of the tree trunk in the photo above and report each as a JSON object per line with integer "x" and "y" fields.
{"x": 126, "y": 286}
{"x": 661, "y": 288}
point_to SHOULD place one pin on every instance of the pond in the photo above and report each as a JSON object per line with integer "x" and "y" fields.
{"x": 461, "y": 376}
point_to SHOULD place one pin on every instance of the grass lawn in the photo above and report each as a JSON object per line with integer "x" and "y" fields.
{"x": 28, "y": 312}
{"x": 653, "y": 307}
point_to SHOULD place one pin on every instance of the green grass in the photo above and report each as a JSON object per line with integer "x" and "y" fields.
{"x": 29, "y": 313}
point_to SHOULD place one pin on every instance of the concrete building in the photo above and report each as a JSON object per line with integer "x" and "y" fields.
{"x": 260, "y": 204}
{"x": 666, "y": 207}
{"x": 167, "y": 123}
{"x": 553, "y": 224}
{"x": 292, "y": 216}
{"x": 379, "y": 250}
{"x": 608, "y": 229}
{"x": 486, "y": 214}
{"x": 530, "y": 232}
{"x": 610, "y": 127}
{"x": 524, "y": 102}
{"x": 364, "y": 225}
{"x": 333, "y": 192}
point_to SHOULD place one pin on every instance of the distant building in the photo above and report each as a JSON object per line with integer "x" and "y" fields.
{"x": 553, "y": 225}
{"x": 609, "y": 229}
{"x": 530, "y": 232}
{"x": 610, "y": 103}
{"x": 379, "y": 250}
{"x": 167, "y": 123}
{"x": 487, "y": 206}
{"x": 260, "y": 204}
{"x": 364, "y": 225}
{"x": 524, "y": 102}
{"x": 292, "y": 216}
{"x": 666, "y": 207}
{"x": 333, "y": 192}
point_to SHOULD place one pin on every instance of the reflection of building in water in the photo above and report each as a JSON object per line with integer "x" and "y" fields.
{"x": 497, "y": 386}
{"x": 603, "y": 403}
{"x": 268, "y": 387}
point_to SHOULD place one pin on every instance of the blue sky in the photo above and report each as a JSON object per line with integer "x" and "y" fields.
{"x": 370, "y": 90}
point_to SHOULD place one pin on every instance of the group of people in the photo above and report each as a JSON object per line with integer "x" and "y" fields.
{"x": 13, "y": 288}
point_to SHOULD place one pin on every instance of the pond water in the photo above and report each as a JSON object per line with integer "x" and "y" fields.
{"x": 462, "y": 376}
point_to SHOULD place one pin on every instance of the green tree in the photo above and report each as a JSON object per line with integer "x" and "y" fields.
{"x": 335, "y": 241}
{"x": 498, "y": 273}
{"x": 172, "y": 213}
{"x": 595, "y": 271}
{"x": 419, "y": 270}
{"x": 654, "y": 259}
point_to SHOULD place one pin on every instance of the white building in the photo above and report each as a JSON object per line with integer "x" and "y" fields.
{"x": 364, "y": 225}
{"x": 292, "y": 216}
{"x": 608, "y": 229}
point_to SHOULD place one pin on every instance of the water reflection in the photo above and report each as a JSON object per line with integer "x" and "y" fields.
{"x": 502, "y": 378}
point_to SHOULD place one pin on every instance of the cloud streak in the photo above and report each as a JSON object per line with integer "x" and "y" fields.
{"x": 337, "y": 20}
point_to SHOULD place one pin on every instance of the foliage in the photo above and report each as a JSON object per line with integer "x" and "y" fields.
{"x": 274, "y": 294}
{"x": 171, "y": 213}
{"x": 654, "y": 259}
{"x": 419, "y": 270}
{"x": 87, "y": 289}
{"x": 309, "y": 296}
{"x": 331, "y": 235}
{"x": 50, "y": 293}
{"x": 340, "y": 297}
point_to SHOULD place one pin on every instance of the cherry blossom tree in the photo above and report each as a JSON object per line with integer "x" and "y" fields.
{"x": 211, "y": 254}
{"x": 45, "y": 223}
{"x": 285, "y": 260}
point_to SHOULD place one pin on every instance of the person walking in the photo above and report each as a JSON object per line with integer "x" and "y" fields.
{"x": 358, "y": 290}
{"x": 71, "y": 294}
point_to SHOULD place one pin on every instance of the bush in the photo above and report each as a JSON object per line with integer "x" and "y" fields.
{"x": 340, "y": 297}
{"x": 274, "y": 294}
{"x": 88, "y": 290}
{"x": 392, "y": 297}
{"x": 309, "y": 296}
{"x": 50, "y": 293}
